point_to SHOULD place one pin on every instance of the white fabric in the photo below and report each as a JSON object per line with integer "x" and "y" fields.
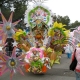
{"x": 68, "y": 49}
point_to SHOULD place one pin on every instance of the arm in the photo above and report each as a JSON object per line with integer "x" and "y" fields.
{"x": 73, "y": 55}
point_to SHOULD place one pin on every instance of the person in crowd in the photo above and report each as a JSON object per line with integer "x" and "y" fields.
{"x": 77, "y": 55}
{"x": 68, "y": 50}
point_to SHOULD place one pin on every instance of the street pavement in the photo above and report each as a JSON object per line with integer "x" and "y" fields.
{"x": 58, "y": 72}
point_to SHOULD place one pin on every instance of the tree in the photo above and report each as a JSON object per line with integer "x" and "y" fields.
{"x": 20, "y": 8}
{"x": 19, "y": 5}
{"x": 75, "y": 24}
{"x": 64, "y": 20}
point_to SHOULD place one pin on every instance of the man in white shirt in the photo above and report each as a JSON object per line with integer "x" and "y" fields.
{"x": 68, "y": 50}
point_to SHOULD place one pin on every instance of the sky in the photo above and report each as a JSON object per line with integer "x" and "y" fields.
{"x": 70, "y": 8}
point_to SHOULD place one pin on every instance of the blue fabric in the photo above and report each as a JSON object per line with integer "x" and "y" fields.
{"x": 68, "y": 55}
{"x": 77, "y": 75}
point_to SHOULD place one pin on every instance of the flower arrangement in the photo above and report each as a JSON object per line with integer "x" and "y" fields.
{"x": 35, "y": 58}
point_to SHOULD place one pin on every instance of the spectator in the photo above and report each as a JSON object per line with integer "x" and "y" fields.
{"x": 68, "y": 50}
{"x": 77, "y": 69}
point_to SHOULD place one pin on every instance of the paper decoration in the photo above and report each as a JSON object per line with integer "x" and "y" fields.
{"x": 38, "y": 13}
{"x": 8, "y": 26}
{"x": 12, "y": 63}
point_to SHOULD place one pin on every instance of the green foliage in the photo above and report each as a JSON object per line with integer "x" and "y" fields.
{"x": 66, "y": 20}
{"x": 36, "y": 63}
{"x": 19, "y": 6}
{"x": 75, "y": 24}
{"x": 7, "y": 3}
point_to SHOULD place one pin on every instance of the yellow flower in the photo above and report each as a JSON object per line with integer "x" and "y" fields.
{"x": 67, "y": 33}
{"x": 49, "y": 50}
{"x": 18, "y": 34}
{"x": 8, "y": 27}
{"x": 58, "y": 25}
{"x": 78, "y": 44}
{"x": 64, "y": 29}
{"x": 43, "y": 48}
{"x": 51, "y": 32}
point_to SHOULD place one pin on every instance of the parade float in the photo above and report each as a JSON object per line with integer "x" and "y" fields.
{"x": 36, "y": 50}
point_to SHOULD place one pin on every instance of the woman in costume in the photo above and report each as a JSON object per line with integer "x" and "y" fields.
{"x": 77, "y": 55}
